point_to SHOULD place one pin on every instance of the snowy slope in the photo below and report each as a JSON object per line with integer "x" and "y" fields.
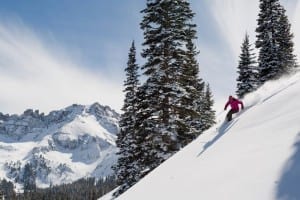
{"x": 254, "y": 157}
{"x": 63, "y": 146}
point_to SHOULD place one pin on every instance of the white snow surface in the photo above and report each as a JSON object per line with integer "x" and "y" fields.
{"x": 254, "y": 157}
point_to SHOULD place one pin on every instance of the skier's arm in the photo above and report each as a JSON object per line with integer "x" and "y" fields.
{"x": 242, "y": 105}
{"x": 226, "y": 105}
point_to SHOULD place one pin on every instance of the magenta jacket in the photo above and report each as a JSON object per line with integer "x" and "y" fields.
{"x": 234, "y": 104}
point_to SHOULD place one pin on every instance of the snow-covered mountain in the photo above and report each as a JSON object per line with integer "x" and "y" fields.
{"x": 63, "y": 146}
{"x": 254, "y": 157}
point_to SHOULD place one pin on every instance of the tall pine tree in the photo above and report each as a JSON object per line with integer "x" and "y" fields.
{"x": 126, "y": 168}
{"x": 167, "y": 106}
{"x": 170, "y": 100}
{"x": 274, "y": 41}
{"x": 208, "y": 114}
{"x": 248, "y": 74}
{"x": 192, "y": 102}
{"x": 285, "y": 40}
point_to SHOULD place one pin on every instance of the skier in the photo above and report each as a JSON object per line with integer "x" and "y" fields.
{"x": 234, "y": 104}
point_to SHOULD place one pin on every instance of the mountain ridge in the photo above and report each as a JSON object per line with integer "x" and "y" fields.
{"x": 61, "y": 147}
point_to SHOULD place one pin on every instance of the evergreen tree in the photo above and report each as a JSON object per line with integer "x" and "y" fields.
{"x": 7, "y": 190}
{"x": 82, "y": 189}
{"x": 274, "y": 41}
{"x": 208, "y": 113}
{"x": 248, "y": 75}
{"x": 167, "y": 106}
{"x": 285, "y": 40}
{"x": 170, "y": 100}
{"x": 29, "y": 177}
{"x": 126, "y": 167}
{"x": 192, "y": 102}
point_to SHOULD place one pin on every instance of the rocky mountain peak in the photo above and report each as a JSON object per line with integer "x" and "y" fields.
{"x": 62, "y": 146}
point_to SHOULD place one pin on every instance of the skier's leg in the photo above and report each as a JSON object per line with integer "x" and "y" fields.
{"x": 229, "y": 115}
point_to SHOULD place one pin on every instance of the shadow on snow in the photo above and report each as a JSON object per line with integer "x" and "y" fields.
{"x": 225, "y": 126}
{"x": 289, "y": 184}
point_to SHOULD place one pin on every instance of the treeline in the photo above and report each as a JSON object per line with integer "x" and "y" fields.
{"x": 82, "y": 189}
{"x": 7, "y": 190}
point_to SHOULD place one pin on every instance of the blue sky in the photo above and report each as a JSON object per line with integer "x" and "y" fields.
{"x": 57, "y": 52}
{"x": 86, "y": 28}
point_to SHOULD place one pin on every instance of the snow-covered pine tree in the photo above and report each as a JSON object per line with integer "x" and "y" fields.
{"x": 285, "y": 40}
{"x": 268, "y": 58}
{"x": 248, "y": 74}
{"x": 29, "y": 178}
{"x": 126, "y": 168}
{"x": 167, "y": 27}
{"x": 208, "y": 114}
{"x": 273, "y": 40}
{"x": 192, "y": 102}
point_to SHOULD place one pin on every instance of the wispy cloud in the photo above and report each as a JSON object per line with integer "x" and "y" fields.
{"x": 235, "y": 18}
{"x": 34, "y": 74}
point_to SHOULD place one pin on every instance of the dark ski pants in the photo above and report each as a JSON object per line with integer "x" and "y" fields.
{"x": 230, "y": 113}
